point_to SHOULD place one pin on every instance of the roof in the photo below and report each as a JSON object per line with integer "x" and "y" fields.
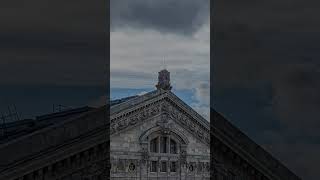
{"x": 19, "y": 128}
{"x": 118, "y": 101}
{"x": 136, "y": 100}
{"x": 222, "y": 129}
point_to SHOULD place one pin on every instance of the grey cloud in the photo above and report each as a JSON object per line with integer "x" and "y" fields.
{"x": 295, "y": 97}
{"x": 131, "y": 74}
{"x": 52, "y": 16}
{"x": 202, "y": 99}
{"x": 52, "y": 42}
{"x": 98, "y": 102}
{"x": 274, "y": 44}
{"x": 58, "y": 58}
{"x": 181, "y": 17}
{"x": 299, "y": 154}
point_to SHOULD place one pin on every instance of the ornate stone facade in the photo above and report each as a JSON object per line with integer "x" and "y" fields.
{"x": 153, "y": 136}
{"x": 141, "y": 127}
{"x": 182, "y": 150}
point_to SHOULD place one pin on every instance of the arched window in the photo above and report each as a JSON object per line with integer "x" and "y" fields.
{"x": 154, "y": 145}
{"x": 163, "y": 144}
{"x": 173, "y": 147}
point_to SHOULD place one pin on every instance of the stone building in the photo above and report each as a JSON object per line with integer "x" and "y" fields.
{"x": 158, "y": 136}
{"x": 152, "y": 136}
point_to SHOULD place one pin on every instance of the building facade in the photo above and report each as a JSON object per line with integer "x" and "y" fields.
{"x": 157, "y": 136}
{"x": 152, "y": 136}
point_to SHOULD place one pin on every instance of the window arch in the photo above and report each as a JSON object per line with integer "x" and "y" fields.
{"x": 163, "y": 144}
{"x": 154, "y": 145}
{"x": 156, "y": 131}
{"x": 173, "y": 147}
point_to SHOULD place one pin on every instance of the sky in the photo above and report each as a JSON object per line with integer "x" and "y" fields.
{"x": 266, "y": 76}
{"x": 265, "y": 68}
{"x": 148, "y": 36}
{"x": 51, "y": 55}
{"x": 265, "y": 62}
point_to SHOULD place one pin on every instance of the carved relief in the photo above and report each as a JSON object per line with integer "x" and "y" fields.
{"x": 189, "y": 123}
{"x": 132, "y": 119}
{"x": 168, "y": 112}
{"x": 132, "y": 167}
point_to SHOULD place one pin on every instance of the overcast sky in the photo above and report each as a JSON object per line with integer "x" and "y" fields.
{"x": 266, "y": 67}
{"x": 51, "y": 52}
{"x": 264, "y": 64}
{"x": 144, "y": 33}
{"x": 266, "y": 76}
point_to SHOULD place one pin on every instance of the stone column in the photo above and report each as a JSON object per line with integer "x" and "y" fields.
{"x": 143, "y": 168}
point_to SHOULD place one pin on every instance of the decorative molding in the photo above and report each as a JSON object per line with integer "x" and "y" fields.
{"x": 165, "y": 107}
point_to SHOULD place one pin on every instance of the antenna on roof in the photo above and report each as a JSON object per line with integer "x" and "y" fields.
{"x": 11, "y": 116}
{"x": 164, "y": 63}
{"x": 4, "y": 128}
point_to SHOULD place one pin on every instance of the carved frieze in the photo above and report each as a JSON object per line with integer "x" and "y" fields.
{"x": 189, "y": 123}
{"x": 133, "y": 118}
{"x": 168, "y": 111}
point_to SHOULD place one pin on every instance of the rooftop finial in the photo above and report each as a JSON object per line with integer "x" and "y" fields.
{"x": 164, "y": 78}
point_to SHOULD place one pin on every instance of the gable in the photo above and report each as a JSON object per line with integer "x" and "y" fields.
{"x": 132, "y": 139}
{"x": 141, "y": 109}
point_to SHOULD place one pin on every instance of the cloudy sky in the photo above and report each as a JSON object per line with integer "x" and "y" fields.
{"x": 143, "y": 33}
{"x": 51, "y": 55}
{"x": 266, "y": 76}
{"x": 265, "y": 66}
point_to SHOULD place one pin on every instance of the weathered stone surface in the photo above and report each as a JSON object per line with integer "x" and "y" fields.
{"x": 159, "y": 115}
{"x": 77, "y": 146}
{"x": 233, "y": 154}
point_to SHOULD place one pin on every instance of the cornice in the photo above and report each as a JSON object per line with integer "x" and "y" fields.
{"x": 163, "y": 103}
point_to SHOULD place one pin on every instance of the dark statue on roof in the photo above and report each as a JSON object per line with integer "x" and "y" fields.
{"x": 164, "y": 80}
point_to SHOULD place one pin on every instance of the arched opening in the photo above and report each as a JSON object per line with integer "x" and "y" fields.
{"x": 164, "y": 148}
{"x": 173, "y": 147}
{"x": 164, "y": 145}
{"x": 154, "y": 145}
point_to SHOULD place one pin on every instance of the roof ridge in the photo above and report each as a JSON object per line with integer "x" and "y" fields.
{"x": 63, "y": 113}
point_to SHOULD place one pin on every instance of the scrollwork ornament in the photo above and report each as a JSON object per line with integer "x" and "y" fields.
{"x": 134, "y": 120}
{"x": 165, "y": 107}
{"x": 200, "y": 133}
{"x": 154, "y": 111}
{"x": 120, "y": 125}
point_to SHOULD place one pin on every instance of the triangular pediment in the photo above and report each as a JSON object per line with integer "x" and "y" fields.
{"x": 154, "y": 104}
